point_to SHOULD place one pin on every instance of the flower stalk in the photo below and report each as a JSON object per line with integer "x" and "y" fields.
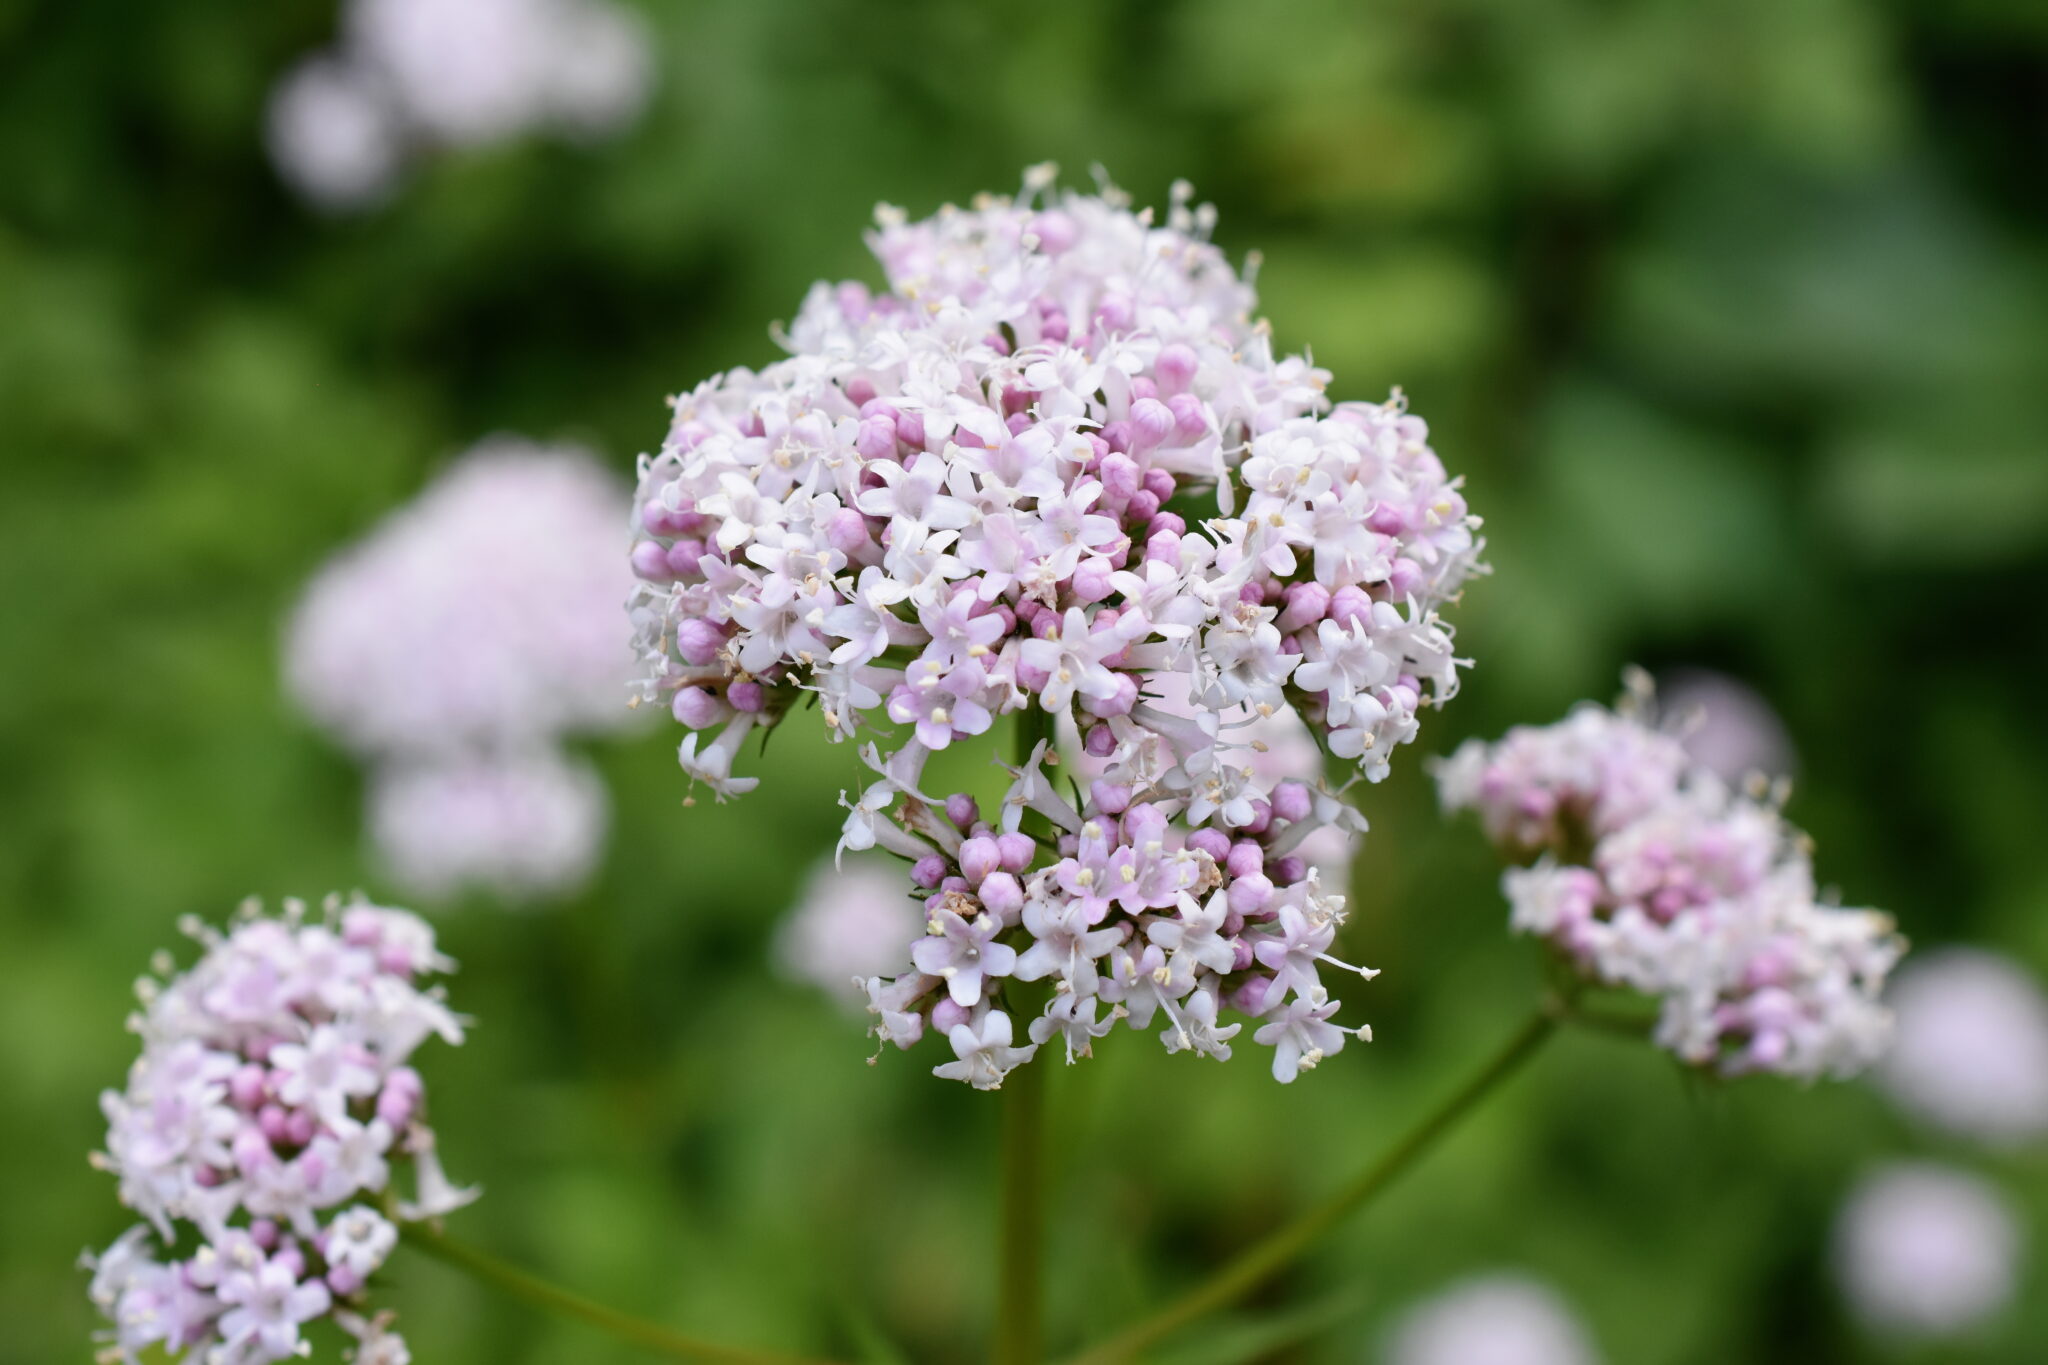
{"x": 1257, "y": 1263}
{"x": 520, "y": 1284}
{"x": 1021, "y": 1250}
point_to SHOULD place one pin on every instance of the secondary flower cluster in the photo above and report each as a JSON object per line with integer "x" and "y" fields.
{"x": 259, "y": 1130}
{"x": 455, "y": 647}
{"x": 412, "y": 74}
{"x": 1056, "y": 468}
{"x": 1650, "y": 873}
{"x": 1124, "y": 915}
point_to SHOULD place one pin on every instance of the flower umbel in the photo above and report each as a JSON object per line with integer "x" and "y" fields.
{"x": 259, "y": 1131}
{"x": 1056, "y": 468}
{"x": 1646, "y": 871}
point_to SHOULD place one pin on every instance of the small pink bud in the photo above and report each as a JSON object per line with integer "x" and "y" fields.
{"x": 650, "y": 561}
{"x": 1289, "y": 870}
{"x": 1188, "y": 417}
{"x": 746, "y": 696}
{"x": 1151, "y": 423}
{"x": 1350, "y": 605}
{"x": 697, "y": 708}
{"x": 1306, "y": 604}
{"x": 1245, "y": 859}
{"x": 1159, "y": 484}
{"x": 1100, "y": 742}
{"x": 947, "y": 1013}
{"x": 344, "y": 1281}
{"x": 962, "y": 810}
{"x": 1248, "y": 895}
{"x": 1111, "y": 798}
{"x": 979, "y": 856}
{"x": 1016, "y": 851}
{"x": 685, "y": 557}
{"x": 1175, "y": 368}
{"x": 247, "y": 1086}
{"x": 1213, "y": 842}
{"x": 928, "y": 871}
{"x": 1001, "y": 894}
{"x": 698, "y": 642}
{"x": 1293, "y": 801}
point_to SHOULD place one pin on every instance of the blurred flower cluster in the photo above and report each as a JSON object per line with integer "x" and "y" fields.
{"x": 1057, "y": 470}
{"x": 411, "y": 75}
{"x": 1650, "y": 872}
{"x": 259, "y": 1132}
{"x": 456, "y": 646}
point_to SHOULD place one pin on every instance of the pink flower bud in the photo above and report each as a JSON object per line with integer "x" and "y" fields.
{"x": 1293, "y": 801}
{"x": 1164, "y": 547}
{"x": 1189, "y": 419}
{"x": 1141, "y": 507}
{"x": 1245, "y": 859}
{"x": 1306, "y": 604}
{"x": 697, "y": 708}
{"x": 344, "y": 1281}
{"x": 876, "y": 438}
{"x": 745, "y": 696}
{"x": 1350, "y": 605}
{"x": 1175, "y": 368}
{"x": 1289, "y": 870}
{"x": 1151, "y": 423}
{"x": 962, "y": 810}
{"x": 1002, "y": 896}
{"x": 928, "y": 871}
{"x": 1111, "y": 798}
{"x": 698, "y": 642}
{"x": 1213, "y": 842}
{"x": 946, "y": 1013}
{"x": 650, "y": 561}
{"x": 1121, "y": 476}
{"x": 686, "y": 556}
{"x": 1017, "y": 850}
{"x": 1090, "y": 582}
{"x": 1100, "y": 742}
{"x": 1159, "y": 484}
{"x": 979, "y": 856}
{"x": 247, "y": 1087}
{"x": 847, "y": 532}
{"x": 1248, "y": 895}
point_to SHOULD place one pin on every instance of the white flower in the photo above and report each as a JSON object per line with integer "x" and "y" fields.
{"x": 1970, "y": 1049}
{"x": 984, "y": 1052}
{"x": 1503, "y": 1318}
{"x": 359, "y": 1238}
{"x": 1925, "y": 1251}
{"x": 521, "y": 825}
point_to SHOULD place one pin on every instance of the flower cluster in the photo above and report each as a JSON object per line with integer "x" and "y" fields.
{"x": 411, "y": 74}
{"x": 1925, "y": 1251}
{"x": 1056, "y": 470}
{"x": 1650, "y": 873}
{"x": 259, "y": 1130}
{"x": 1971, "y": 1051}
{"x": 456, "y": 646}
{"x": 1498, "y": 1318}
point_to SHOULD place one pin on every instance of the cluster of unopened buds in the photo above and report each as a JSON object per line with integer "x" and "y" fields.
{"x": 1649, "y": 872}
{"x": 1056, "y": 470}
{"x": 259, "y": 1134}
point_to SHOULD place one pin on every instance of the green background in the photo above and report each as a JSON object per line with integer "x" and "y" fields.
{"x": 1735, "y": 315}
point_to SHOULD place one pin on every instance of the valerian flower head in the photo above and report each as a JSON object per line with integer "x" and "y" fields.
{"x": 521, "y": 825}
{"x": 1924, "y": 1251}
{"x": 1055, "y": 465}
{"x": 1646, "y": 871}
{"x": 482, "y": 614}
{"x": 1056, "y": 469}
{"x": 261, "y": 1130}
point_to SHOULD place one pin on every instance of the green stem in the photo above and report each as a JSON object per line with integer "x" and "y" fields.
{"x": 1020, "y": 1250}
{"x": 1020, "y": 1257}
{"x": 651, "y": 1336}
{"x": 1251, "y": 1267}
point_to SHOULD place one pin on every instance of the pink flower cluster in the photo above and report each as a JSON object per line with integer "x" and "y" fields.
{"x": 258, "y": 1133}
{"x": 1056, "y": 467}
{"x": 1648, "y": 872}
{"x": 456, "y": 647}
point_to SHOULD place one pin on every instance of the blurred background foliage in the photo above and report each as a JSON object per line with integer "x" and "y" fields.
{"x": 1736, "y": 316}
